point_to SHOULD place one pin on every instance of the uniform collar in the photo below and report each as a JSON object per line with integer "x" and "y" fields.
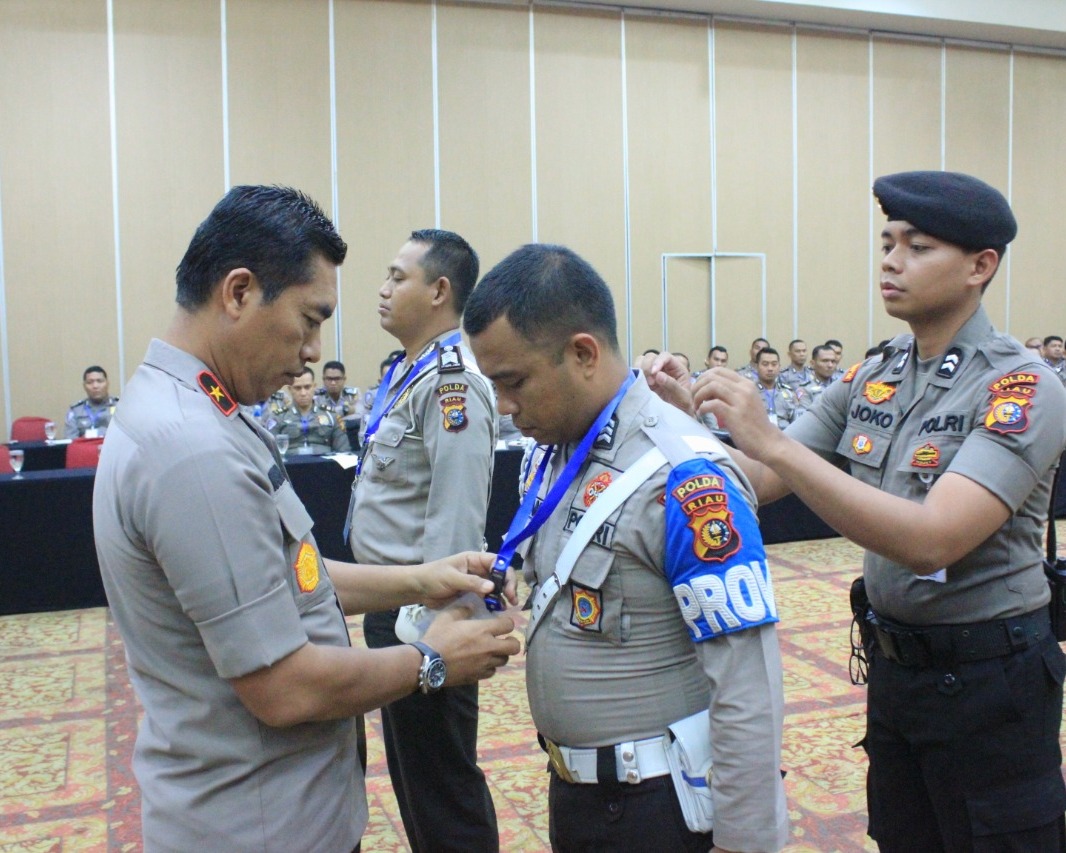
{"x": 185, "y": 368}
{"x": 899, "y": 352}
{"x": 627, "y": 418}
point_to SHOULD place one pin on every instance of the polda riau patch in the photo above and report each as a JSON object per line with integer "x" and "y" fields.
{"x": 587, "y": 610}
{"x": 306, "y": 567}
{"x": 704, "y": 501}
{"x": 1008, "y": 408}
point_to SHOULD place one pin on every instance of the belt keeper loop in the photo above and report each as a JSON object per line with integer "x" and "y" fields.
{"x": 627, "y": 755}
{"x": 1017, "y": 633}
{"x": 606, "y": 768}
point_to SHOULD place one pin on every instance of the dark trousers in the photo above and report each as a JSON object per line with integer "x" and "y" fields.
{"x": 965, "y": 757}
{"x": 611, "y": 818}
{"x": 431, "y": 748}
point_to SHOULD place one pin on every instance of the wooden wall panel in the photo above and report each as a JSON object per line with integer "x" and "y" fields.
{"x": 834, "y": 191}
{"x": 1039, "y": 185}
{"x": 384, "y": 159}
{"x": 977, "y": 135}
{"x": 279, "y": 117}
{"x": 168, "y": 92}
{"x": 485, "y": 148}
{"x": 907, "y": 131}
{"x": 753, "y": 88}
{"x": 668, "y": 98}
{"x": 59, "y": 261}
{"x": 580, "y": 193}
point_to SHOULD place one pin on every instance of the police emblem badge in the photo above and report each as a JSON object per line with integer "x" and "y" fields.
{"x": 704, "y": 501}
{"x": 878, "y": 392}
{"x": 595, "y": 487}
{"x": 587, "y": 608}
{"x": 306, "y": 567}
{"x": 1012, "y": 395}
{"x": 862, "y": 444}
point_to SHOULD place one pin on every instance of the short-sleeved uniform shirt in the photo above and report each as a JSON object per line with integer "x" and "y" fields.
{"x": 317, "y": 432}
{"x": 662, "y": 619}
{"x": 212, "y": 573}
{"x": 986, "y": 410}
{"x": 86, "y": 418}
{"x": 345, "y": 406}
{"x": 423, "y": 490}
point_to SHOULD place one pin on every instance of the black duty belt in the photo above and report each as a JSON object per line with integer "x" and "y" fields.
{"x": 944, "y": 645}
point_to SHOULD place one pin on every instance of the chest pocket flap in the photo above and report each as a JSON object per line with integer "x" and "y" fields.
{"x": 390, "y": 433}
{"x": 864, "y": 446}
{"x": 294, "y": 518}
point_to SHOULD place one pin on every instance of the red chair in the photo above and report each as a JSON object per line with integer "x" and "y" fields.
{"x": 84, "y": 452}
{"x": 28, "y": 429}
{"x": 5, "y": 462}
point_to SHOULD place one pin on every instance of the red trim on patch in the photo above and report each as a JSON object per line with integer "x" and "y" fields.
{"x": 847, "y": 377}
{"x": 214, "y": 389}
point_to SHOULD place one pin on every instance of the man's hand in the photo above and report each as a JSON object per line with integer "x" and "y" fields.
{"x": 473, "y": 649}
{"x": 734, "y": 400}
{"x": 442, "y": 581}
{"x": 667, "y": 377}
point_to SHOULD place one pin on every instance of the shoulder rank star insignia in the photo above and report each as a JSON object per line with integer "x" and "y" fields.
{"x": 213, "y": 389}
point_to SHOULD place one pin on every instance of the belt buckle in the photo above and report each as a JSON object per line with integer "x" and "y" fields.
{"x": 555, "y": 758}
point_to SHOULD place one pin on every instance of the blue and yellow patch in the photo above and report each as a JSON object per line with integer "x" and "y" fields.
{"x": 587, "y": 610}
{"x": 1012, "y": 396}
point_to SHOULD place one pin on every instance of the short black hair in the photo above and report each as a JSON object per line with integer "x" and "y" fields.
{"x": 94, "y": 368}
{"x": 307, "y": 369}
{"x": 833, "y": 342}
{"x": 334, "y": 365}
{"x": 547, "y": 293}
{"x": 1047, "y": 340}
{"x": 756, "y": 340}
{"x": 795, "y": 341}
{"x": 449, "y": 256}
{"x": 276, "y": 232}
{"x": 767, "y": 351}
{"x": 717, "y": 348}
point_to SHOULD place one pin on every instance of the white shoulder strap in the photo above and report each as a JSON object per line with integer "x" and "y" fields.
{"x": 607, "y": 502}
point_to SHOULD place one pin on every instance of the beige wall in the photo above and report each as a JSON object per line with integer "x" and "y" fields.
{"x": 624, "y": 136}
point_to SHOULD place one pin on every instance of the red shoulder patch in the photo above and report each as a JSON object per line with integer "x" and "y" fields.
{"x": 210, "y": 385}
{"x": 847, "y": 377}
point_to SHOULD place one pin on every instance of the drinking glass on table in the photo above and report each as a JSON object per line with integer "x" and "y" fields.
{"x": 283, "y": 443}
{"x": 16, "y": 462}
{"x": 49, "y": 430}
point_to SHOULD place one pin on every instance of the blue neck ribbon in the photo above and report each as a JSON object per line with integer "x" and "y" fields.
{"x": 526, "y": 522}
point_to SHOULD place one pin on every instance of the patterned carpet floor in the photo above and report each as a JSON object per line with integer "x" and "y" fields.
{"x": 68, "y": 721}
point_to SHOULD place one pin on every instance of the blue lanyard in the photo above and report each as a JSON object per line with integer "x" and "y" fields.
{"x": 303, "y": 425}
{"x": 526, "y": 522}
{"x": 380, "y": 408}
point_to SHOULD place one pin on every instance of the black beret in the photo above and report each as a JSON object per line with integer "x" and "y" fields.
{"x": 960, "y": 209}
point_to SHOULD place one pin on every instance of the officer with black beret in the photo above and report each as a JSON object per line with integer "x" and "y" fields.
{"x": 951, "y": 437}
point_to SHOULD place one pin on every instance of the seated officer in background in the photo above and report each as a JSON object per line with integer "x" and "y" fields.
{"x": 334, "y": 395}
{"x": 1054, "y": 356}
{"x": 797, "y": 372}
{"x": 311, "y": 429}
{"x": 949, "y": 442}
{"x": 89, "y": 418}
{"x": 750, "y": 370}
{"x": 783, "y": 404}
{"x": 650, "y": 630}
{"x": 823, "y": 369}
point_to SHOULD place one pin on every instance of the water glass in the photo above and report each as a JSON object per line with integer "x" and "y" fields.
{"x": 283, "y": 443}
{"x": 49, "y": 430}
{"x": 16, "y": 461}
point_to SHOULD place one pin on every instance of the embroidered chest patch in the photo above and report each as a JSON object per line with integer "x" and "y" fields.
{"x": 595, "y": 487}
{"x": 306, "y": 567}
{"x": 862, "y": 444}
{"x": 926, "y": 456}
{"x": 587, "y": 610}
{"x": 879, "y": 392}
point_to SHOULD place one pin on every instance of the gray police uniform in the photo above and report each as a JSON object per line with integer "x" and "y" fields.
{"x": 422, "y": 494}
{"x": 810, "y": 391}
{"x": 795, "y": 377}
{"x": 1059, "y": 368}
{"x": 212, "y": 573}
{"x": 783, "y": 404}
{"x": 347, "y": 405}
{"x": 986, "y": 410}
{"x": 612, "y": 660}
{"x": 85, "y": 416}
{"x": 748, "y": 371}
{"x": 317, "y": 432}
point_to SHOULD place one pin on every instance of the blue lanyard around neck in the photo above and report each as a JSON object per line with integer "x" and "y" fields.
{"x": 381, "y": 408}
{"x": 526, "y": 522}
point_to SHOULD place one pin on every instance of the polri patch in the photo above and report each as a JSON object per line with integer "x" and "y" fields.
{"x": 704, "y": 501}
{"x": 926, "y": 456}
{"x": 595, "y": 487}
{"x": 587, "y": 610}
{"x": 879, "y": 392}
{"x": 213, "y": 389}
{"x": 306, "y": 567}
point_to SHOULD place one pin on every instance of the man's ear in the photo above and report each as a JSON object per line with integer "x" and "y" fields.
{"x": 238, "y": 291}
{"x": 585, "y": 348}
{"x": 985, "y": 264}
{"x": 442, "y": 291}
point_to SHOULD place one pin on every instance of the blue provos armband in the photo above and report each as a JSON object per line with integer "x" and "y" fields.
{"x": 715, "y": 560}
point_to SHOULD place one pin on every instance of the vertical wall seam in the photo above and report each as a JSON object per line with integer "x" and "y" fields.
{"x": 713, "y": 103}
{"x": 436, "y": 118}
{"x": 5, "y": 350}
{"x": 338, "y": 323}
{"x": 1010, "y": 181}
{"x": 533, "y": 126}
{"x": 225, "y": 97}
{"x": 795, "y": 184}
{"x": 871, "y": 269}
{"x": 943, "y": 104}
{"x": 113, "y": 127}
{"x": 625, "y": 196}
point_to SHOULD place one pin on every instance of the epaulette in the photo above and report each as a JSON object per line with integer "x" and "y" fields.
{"x": 213, "y": 389}
{"x": 83, "y": 401}
{"x": 450, "y": 359}
{"x": 351, "y": 392}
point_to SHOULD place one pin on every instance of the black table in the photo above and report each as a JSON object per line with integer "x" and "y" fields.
{"x": 40, "y": 455}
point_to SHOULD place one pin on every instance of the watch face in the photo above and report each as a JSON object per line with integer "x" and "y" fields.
{"x": 436, "y": 674}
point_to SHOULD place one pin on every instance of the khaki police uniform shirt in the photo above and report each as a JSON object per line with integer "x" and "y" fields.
{"x": 612, "y": 659}
{"x": 985, "y": 409}
{"x": 212, "y": 573}
{"x": 85, "y": 416}
{"x": 783, "y": 404}
{"x": 794, "y": 377}
{"x": 423, "y": 492}
{"x": 317, "y": 432}
{"x": 347, "y": 405}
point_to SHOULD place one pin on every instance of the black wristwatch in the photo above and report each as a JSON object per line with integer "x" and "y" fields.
{"x": 433, "y": 672}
